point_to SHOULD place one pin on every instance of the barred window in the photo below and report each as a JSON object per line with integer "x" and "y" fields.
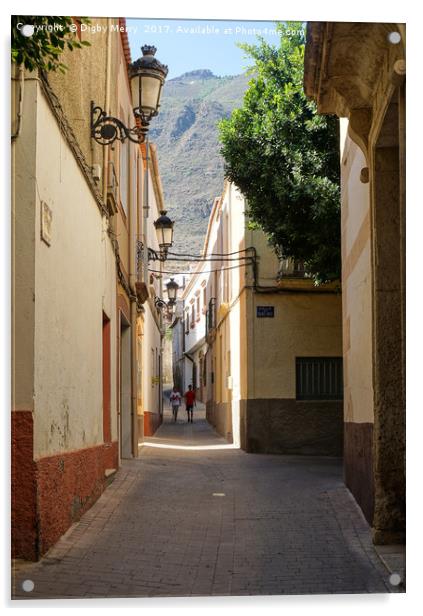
{"x": 319, "y": 378}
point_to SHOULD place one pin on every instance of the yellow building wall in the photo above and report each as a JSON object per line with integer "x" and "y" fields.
{"x": 86, "y": 81}
{"x": 305, "y": 325}
{"x": 254, "y": 400}
{"x": 23, "y": 239}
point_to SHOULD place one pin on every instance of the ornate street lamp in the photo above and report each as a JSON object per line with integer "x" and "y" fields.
{"x": 147, "y": 75}
{"x": 164, "y": 230}
{"x": 172, "y": 289}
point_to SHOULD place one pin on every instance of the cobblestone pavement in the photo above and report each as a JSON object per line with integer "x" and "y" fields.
{"x": 212, "y": 521}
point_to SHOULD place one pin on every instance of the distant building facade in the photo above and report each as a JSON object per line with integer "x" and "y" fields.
{"x": 177, "y": 327}
{"x": 194, "y": 326}
{"x": 273, "y": 360}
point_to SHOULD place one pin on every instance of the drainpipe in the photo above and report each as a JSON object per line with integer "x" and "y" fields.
{"x": 144, "y": 231}
{"x": 134, "y": 410}
{"x": 161, "y": 346}
{"x": 188, "y": 356}
{"x": 107, "y": 108}
{"x": 132, "y": 279}
{"x": 145, "y": 212}
{"x": 21, "y": 99}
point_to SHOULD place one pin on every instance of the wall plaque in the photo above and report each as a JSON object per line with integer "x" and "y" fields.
{"x": 266, "y": 311}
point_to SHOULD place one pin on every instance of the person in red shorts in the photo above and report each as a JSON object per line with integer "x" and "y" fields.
{"x": 189, "y": 401}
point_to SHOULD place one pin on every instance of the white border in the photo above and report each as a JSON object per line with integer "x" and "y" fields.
{"x": 317, "y": 10}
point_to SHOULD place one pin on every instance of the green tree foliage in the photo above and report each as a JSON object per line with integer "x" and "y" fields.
{"x": 42, "y": 50}
{"x": 284, "y": 157}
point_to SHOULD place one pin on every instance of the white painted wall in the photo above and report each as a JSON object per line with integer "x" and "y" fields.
{"x": 74, "y": 282}
{"x": 151, "y": 339}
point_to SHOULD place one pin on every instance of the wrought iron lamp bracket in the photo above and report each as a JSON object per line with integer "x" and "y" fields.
{"x": 106, "y": 129}
{"x": 152, "y": 254}
{"x": 160, "y": 303}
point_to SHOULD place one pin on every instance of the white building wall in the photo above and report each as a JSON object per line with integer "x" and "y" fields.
{"x": 151, "y": 349}
{"x": 151, "y": 340}
{"x": 74, "y": 283}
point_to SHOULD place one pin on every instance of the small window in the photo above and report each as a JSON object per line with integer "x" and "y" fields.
{"x": 319, "y": 378}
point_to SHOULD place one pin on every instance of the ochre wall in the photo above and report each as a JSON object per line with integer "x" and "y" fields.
{"x": 258, "y": 400}
{"x": 24, "y": 193}
{"x": 85, "y": 81}
{"x": 304, "y": 325}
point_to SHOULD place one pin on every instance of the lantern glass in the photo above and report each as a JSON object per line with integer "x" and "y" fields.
{"x": 147, "y": 78}
{"x": 167, "y": 234}
{"x": 145, "y": 95}
{"x": 164, "y": 230}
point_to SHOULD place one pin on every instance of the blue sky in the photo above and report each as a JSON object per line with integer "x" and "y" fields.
{"x": 186, "y": 45}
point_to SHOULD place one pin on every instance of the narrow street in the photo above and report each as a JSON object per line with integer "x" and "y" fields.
{"x": 193, "y": 517}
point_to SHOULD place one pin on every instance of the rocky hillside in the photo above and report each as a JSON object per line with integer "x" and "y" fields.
{"x": 186, "y": 134}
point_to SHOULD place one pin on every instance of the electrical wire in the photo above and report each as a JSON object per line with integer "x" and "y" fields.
{"x": 194, "y": 260}
{"x": 212, "y": 254}
{"x": 221, "y": 269}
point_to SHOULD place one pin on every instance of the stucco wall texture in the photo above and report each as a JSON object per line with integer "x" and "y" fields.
{"x": 356, "y": 290}
{"x": 61, "y": 289}
{"x": 305, "y": 325}
{"x": 85, "y": 81}
{"x": 357, "y": 325}
{"x": 74, "y": 283}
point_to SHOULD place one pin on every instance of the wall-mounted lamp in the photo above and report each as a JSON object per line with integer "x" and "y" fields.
{"x": 164, "y": 230}
{"x": 147, "y": 75}
{"x": 172, "y": 290}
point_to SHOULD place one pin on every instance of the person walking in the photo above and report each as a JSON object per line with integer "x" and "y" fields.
{"x": 175, "y": 401}
{"x": 189, "y": 402}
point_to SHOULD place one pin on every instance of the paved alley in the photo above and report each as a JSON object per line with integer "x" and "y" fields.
{"x": 193, "y": 517}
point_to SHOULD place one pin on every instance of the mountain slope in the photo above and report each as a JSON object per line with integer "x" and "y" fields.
{"x": 186, "y": 135}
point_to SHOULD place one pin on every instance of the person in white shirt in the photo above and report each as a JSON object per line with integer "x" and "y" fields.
{"x": 175, "y": 401}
